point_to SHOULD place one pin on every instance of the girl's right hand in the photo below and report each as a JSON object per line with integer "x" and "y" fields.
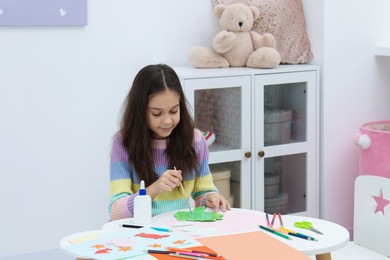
{"x": 167, "y": 182}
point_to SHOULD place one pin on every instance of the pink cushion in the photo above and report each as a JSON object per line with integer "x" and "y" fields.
{"x": 285, "y": 20}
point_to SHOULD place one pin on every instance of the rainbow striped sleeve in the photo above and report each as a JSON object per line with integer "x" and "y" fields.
{"x": 203, "y": 178}
{"x": 121, "y": 180}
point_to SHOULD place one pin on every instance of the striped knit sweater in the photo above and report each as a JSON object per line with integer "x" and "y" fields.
{"x": 124, "y": 183}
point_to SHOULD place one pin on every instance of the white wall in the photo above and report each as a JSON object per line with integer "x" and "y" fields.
{"x": 61, "y": 89}
{"x": 356, "y": 90}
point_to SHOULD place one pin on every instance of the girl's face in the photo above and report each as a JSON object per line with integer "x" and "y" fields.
{"x": 163, "y": 113}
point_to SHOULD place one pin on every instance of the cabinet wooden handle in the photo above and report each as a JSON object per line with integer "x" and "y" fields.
{"x": 261, "y": 154}
{"x": 248, "y": 154}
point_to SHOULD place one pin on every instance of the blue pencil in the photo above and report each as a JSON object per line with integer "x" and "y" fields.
{"x": 162, "y": 229}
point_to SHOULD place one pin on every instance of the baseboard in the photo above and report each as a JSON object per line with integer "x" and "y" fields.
{"x": 350, "y": 230}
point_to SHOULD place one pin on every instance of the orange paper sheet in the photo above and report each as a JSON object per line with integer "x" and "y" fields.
{"x": 251, "y": 245}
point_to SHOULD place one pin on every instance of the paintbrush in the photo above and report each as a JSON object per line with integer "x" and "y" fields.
{"x": 183, "y": 194}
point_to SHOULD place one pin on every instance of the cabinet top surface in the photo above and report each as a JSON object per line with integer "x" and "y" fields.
{"x": 188, "y": 71}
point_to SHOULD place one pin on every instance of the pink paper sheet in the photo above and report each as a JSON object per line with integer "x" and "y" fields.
{"x": 234, "y": 221}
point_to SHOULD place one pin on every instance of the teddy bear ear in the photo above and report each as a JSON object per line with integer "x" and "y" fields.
{"x": 218, "y": 10}
{"x": 255, "y": 12}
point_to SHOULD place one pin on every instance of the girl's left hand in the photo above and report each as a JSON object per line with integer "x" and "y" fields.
{"x": 216, "y": 201}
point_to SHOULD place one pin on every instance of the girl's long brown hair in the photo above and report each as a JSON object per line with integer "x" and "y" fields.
{"x": 137, "y": 137}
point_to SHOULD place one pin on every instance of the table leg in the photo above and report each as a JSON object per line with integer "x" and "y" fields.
{"x": 325, "y": 256}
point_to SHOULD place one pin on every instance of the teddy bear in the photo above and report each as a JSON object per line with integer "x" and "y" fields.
{"x": 236, "y": 45}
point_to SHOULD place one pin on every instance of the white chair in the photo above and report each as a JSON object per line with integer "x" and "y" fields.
{"x": 371, "y": 220}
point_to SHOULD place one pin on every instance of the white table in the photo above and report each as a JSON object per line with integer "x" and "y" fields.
{"x": 334, "y": 237}
{"x": 242, "y": 220}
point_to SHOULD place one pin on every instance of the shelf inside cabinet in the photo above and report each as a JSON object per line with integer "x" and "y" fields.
{"x": 225, "y": 156}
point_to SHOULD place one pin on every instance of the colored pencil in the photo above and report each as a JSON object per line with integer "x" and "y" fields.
{"x": 162, "y": 229}
{"x": 280, "y": 219}
{"x": 155, "y": 228}
{"x": 266, "y": 216}
{"x": 191, "y": 254}
{"x": 187, "y": 256}
{"x": 190, "y": 251}
{"x": 275, "y": 232}
{"x": 158, "y": 252}
{"x": 295, "y": 234}
{"x": 150, "y": 251}
{"x": 273, "y": 219}
{"x": 300, "y": 235}
{"x": 130, "y": 226}
{"x": 279, "y": 230}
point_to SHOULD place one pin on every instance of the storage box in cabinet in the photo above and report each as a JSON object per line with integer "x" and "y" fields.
{"x": 221, "y": 179}
{"x": 277, "y": 126}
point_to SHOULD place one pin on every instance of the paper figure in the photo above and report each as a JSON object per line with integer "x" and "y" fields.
{"x": 124, "y": 248}
{"x": 198, "y": 214}
{"x": 148, "y": 235}
{"x": 98, "y": 246}
{"x": 155, "y": 245}
{"x": 103, "y": 251}
{"x": 179, "y": 242}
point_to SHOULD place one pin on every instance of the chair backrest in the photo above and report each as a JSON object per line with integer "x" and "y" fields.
{"x": 372, "y": 213}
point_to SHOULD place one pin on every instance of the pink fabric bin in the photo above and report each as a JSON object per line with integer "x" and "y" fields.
{"x": 373, "y": 140}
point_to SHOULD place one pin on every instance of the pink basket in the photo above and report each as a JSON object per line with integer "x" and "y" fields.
{"x": 374, "y": 141}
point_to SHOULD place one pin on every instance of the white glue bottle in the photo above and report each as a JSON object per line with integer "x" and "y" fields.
{"x": 142, "y": 206}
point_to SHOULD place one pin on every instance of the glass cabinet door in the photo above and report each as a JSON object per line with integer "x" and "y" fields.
{"x": 221, "y": 107}
{"x": 285, "y": 184}
{"x": 284, "y": 133}
{"x": 285, "y": 113}
{"x": 219, "y": 112}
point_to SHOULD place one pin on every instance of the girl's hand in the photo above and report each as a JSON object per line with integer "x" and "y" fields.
{"x": 167, "y": 182}
{"x": 216, "y": 201}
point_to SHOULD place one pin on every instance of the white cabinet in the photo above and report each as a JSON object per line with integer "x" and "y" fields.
{"x": 266, "y": 123}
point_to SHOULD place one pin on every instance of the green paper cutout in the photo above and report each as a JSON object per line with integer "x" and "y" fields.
{"x": 198, "y": 214}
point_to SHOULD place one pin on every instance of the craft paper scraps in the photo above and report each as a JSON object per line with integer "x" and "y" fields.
{"x": 128, "y": 243}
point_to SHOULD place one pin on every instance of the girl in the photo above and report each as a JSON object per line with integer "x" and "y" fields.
{"x": 158, "y": 143}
